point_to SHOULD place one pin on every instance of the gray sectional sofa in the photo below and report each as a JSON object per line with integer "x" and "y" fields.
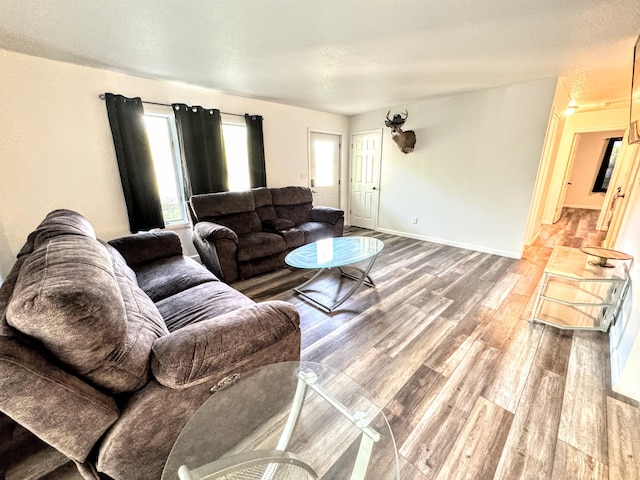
{"x": 107, "y": 349}
{"x": 242, "y": 234}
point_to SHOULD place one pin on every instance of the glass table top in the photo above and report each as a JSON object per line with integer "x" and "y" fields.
{"x": 334, "y": 252}
{"x": 250, "y": 416}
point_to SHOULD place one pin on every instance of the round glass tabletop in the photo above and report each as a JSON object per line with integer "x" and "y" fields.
{"x": 306, "y": 411}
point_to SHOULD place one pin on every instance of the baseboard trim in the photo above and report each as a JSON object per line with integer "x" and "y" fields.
{"x": 627, "y": 389}
{"x": 467, "y": 246}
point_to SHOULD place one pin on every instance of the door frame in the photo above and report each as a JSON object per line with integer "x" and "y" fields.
{"x": 341, "y": 161}
{"x": 378, "y": 131}
{"x": 545, "y": 170}
{"x": 562, "y": 164}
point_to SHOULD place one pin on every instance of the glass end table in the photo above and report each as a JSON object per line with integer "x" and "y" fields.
{"x": 578, "y": 293}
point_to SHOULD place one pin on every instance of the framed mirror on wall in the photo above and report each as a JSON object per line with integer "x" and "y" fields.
{"x": 634, "y": 114}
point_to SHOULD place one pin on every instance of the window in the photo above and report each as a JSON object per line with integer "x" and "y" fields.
{"x": 163, "y": 139}
{"x": 235, "y": 145}
{"x": 161, "y": 131}
{"x": 608, "y": 164}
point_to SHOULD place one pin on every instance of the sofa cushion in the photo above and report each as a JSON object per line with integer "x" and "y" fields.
{"x": 200, "y": 303}
{"x": 95, "y": 320}
{"x": 120, "y": 265}
{"x": 213, "y": 205}
{"x": 264, "y": 204}
{"x": 293, "y": 237}
{"x": 172, "y": 275}
{"x": 62, "y": 222}
{"x": 147, "y": 247}
{"x": 277, "y": 225}
{"x": 258, "y": 245}
{"x": 193, "y": 354}
{"x": 291, "y": 196}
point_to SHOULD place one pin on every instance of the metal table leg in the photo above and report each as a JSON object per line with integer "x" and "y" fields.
{"x": 363, "y": 277}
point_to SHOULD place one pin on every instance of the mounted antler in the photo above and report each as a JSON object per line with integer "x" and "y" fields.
{"x": 406, "y": 141}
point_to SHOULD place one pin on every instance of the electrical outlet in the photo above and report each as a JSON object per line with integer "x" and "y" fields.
{"x": 414, "y": 220}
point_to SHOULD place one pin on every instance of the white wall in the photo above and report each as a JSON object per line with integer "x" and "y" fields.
{"x": 56, "y": 149}
{"x": 589, "y": 152}
{"x": 547, "y": 162}
{"x": 624, "y": 336}
{"x": 471, "y": 177}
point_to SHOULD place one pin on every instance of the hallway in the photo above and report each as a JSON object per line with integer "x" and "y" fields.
{"x": 576, "y": 228}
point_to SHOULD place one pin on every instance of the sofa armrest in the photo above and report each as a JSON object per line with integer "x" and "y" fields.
{"x": 147, "y": 246}
{"x": 212, "y": 240}
{"x": 213, "y": 231}
{"x": 326, "y": 215}
{"x": 196, "y": 353}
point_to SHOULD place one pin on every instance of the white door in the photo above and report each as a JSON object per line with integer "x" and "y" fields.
{"x": 566, "y": 183}
{"x": 365, "y": 178}
{"x": 324, "y": 168}
{"x": 619, "y": 192}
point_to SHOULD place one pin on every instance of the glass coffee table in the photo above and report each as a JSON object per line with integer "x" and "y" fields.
{"x": 299, "y": 418}
{"x": 340, "y": 253}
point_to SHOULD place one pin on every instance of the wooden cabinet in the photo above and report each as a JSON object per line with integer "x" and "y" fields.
{"x": 578, "y": 293}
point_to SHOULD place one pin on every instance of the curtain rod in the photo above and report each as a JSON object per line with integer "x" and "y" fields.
{"x": 102, "y": 97}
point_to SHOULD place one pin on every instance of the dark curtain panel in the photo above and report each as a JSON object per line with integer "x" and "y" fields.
{"x": 137, "y": 174}
{"x": 202, "y": 146}
{"x": 255, "y": 150}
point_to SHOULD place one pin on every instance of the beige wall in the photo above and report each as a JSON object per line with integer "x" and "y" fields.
{"x": 56, "y": 149}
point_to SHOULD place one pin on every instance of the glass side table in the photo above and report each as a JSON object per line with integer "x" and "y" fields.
{"x": 578, "y": 293}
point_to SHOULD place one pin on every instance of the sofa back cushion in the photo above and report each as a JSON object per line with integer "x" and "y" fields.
{"x": 235, "y": 210}
{"x": 264, "y": 204}
{"x": 80, "y": 301}
{"x": 293, "y": 203}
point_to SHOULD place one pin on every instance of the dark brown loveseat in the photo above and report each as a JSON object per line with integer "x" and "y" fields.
{"x": 242, "y": 234}
{"x": 107, "y": 349}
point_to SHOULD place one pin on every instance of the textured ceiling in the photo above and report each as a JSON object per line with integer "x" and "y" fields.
{"x": 342, "y": 56}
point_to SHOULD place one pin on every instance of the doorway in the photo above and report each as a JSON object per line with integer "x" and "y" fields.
{"x": 570, "y": 180}
{"x": 365, "y": 178}
{"x": 582, "y": 190}
{"x": 324, "y": 168}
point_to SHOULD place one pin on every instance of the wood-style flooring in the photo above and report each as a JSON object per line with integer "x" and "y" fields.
{"x": 471, "y": 389}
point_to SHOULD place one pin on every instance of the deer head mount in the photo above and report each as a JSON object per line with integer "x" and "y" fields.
{"x": 405, "y": 140}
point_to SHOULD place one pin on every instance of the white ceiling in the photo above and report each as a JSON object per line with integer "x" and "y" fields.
{"x": 341, "y": 56}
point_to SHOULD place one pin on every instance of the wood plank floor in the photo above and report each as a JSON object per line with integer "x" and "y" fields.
{"x": 471, "y": 389}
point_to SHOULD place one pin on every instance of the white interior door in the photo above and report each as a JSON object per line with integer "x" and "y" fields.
{"x": 618, "y": 184}
{"x": 365, "y": 178}
{"x": 619, "y": 192}
{"x": 324, "y": 168}
{"x": 566, "y": 180}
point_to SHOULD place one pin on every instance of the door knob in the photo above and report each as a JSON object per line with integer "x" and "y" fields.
{"x": 374, "y": 188}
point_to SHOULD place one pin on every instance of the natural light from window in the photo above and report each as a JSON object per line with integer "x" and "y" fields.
{"x": 167, "y": 167}
{"x": 323, "y": 163}
{"x": 235, "y": 145}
